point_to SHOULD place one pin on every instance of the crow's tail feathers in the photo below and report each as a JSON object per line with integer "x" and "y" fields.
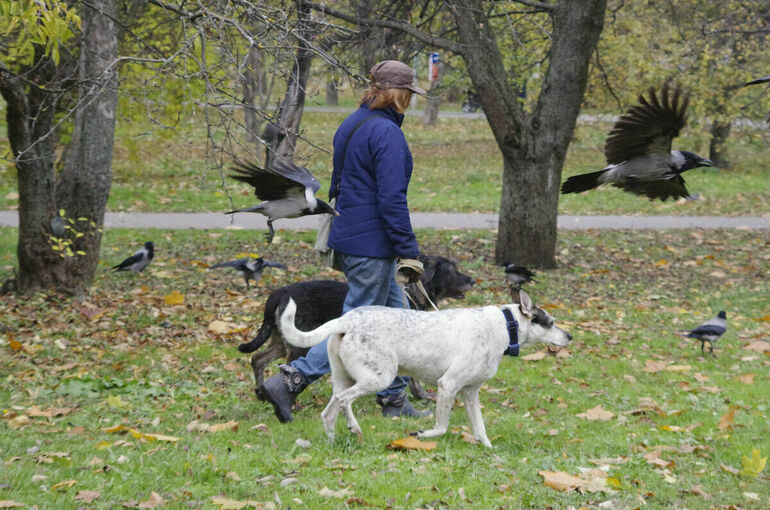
{"x": 256, "y": 208}
{"x": 581, "y": 183}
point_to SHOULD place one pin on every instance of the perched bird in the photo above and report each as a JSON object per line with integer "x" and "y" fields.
{"x": 139, "y": 260}
{"x": 639, "y": 153}
{"x": 764, "y": 79}
{"x": 710, "y": 331}
{"x": 286, "y": 191}
{"x": 518, "y": 275}
{"x": 250, "y": 268}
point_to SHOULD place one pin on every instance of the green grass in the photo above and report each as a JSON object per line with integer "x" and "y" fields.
{"x": 458, "y": 168}
{"x": 156, "y": 368}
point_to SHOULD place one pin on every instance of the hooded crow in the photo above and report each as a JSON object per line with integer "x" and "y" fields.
{"x": 286, "y": 191}
{"x": 518, "y": 275}
{"x": 139, "y": 260}
{"x": 639, "y": 153}
{"x": 250, "y": 268}
{"x": 710, "y": 331}
{"x": 764, "y": 79}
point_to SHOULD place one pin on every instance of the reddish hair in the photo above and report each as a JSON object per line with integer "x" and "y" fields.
{"x": 377, "y": 98}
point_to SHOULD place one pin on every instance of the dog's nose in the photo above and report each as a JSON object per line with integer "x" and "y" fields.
{"x": 569, "y": 337}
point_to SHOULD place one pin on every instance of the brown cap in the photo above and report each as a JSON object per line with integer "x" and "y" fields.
{"x": 392, "y": 74}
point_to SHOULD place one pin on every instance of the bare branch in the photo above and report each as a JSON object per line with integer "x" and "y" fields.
{"x": 437, "y": 42}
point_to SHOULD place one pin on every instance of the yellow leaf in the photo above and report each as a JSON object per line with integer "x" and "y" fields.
{"x": 13, "y": 343}
{"x": 175, "y": 298}
{"x": 116, "y": 401}
{"x": 561, "y": 481}
{"x": 115, "y": 429}
{"x": 753, "y": 465}
{"x": 103, "y": 445}
{"x": 246, "y": 254}
{"x": 661, "y": 262}
{"x": 64, "y": 486}
{"x": 412, "y": 443}
{"x": 613, "y": 482}
{"x": 219, "y": 427}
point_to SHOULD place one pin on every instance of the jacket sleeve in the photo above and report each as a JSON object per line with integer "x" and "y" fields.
{"x": 392, "y": 170}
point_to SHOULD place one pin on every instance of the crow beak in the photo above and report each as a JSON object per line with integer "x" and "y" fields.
{"x": 705, "y": 162}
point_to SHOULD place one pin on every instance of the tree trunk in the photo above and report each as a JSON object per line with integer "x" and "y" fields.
{"x": 534, "y": 145}
{"x": 61, "y": 252}
{"x": 283, "y": 137}
{"x": 433, "y": 103}
{"x": 84, "y": 183}
{"x": 331, "y": 92}
{"x": 30, "y": 110}
{"x": 720, "y": 131}
{"x": 252, "y": 89}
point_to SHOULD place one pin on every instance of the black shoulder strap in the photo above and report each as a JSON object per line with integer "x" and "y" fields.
{"x": 345, "y": 150}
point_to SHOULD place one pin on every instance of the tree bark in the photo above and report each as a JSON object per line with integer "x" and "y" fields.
{"x": 331, "y": 91}
{"x": 84, "y": 183}
{"x": 433, "y": 102}
{"x": 61, "y": 252}
{"x": 253, "y": 87}
{"x": 533, "y": 145}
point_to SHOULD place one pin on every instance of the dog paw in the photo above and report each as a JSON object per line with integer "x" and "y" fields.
{"x": 416, "y": 433}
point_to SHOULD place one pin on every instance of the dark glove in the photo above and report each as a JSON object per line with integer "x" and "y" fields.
{"x": 408, "y": 271}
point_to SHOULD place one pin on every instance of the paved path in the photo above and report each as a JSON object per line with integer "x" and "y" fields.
{"x": 449, "y": 221}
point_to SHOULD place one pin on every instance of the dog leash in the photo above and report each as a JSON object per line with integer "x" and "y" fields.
{"x": 513, "y": 333}
{"x": 410, "y": 298}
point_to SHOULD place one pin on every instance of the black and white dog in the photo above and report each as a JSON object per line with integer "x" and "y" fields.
{"x": 320, "y": 301}
{"x": 457, "y": 350}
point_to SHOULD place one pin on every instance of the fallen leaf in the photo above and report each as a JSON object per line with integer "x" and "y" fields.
{"x": 18, "y": 422}
{"x": 412, "y": 443}
{"x": 561, "y": 481}
{"x": 64, "y": 486}
{"x": 175, "y": 298}
{"x": 218, "y": 327}
{"x": 758, "y": 346}
{"x": 231, "y": 504}
{"x": 535, "y": 356}
{"x": 726, "y": 421}
{"x": 10, "y": 504}
{"x": 596, "y": 414}
{"x": 154, "y": 501}
{"x": 698, "y": 491}
{"x": 232, "y": 475}
{"x": 728, "y": 469}
{"x": 654, "y": 366}
{"x": 87, "y": 496}
{"x": 219, "y": 427}
{"x": 746, "y": 378}
{"x": 753, "y": 465}
{"x": 700, "y": 377}
{"x": 329, "y": 493}
{"x": 678, "y": 368}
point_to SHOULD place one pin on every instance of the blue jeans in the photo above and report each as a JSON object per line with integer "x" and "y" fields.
{"x": 371, "y": 281}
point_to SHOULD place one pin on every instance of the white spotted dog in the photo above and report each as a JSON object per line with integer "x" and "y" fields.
{"x": 456, "y": 349}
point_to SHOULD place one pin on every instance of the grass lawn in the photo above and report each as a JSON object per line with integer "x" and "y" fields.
{"x": 76, "y": 376}
{"x": 457, "y": 169}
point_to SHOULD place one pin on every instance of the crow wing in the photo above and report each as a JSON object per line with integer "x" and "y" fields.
{"x": 673, "y": 187}
{"x": 757, "y": 81}
{"x": 270, "y": 263}
{"x": 712, "y": 327}
{"x": 238, "y": 264}
{"x": 648, "y": 127}
{"x": 130, "y": 261}
{"x": 281, "y": 179}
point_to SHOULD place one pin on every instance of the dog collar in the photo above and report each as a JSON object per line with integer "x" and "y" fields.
{"x": 513, "y": 333}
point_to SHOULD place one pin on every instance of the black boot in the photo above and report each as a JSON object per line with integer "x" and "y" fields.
{"x": 281, "y": 391}
{"x": 399, "y": 405}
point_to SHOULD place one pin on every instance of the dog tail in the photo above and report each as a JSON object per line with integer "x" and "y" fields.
{"x": 299, "y": 338}
{"x": 581, "y": 183}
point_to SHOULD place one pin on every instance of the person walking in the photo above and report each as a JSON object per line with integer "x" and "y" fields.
{"x": 372, "y": 236}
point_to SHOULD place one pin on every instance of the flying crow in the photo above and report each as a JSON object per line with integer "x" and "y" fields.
{"x": 286, "y": 191}
{"x": 518, "y": 275}
{"x": 758, "y": 81}
{"x": 139, "y": 260}
{"x": 710, "y": 331}
{"x": 639, "y": 153}
{"x": 250, "y": 268}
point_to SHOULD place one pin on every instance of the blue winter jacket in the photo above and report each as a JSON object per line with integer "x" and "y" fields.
{"x": 374, "y": 217}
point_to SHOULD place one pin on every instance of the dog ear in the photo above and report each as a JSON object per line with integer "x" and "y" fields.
{"x": 428, "y": 270}
{"x": 525, "y": 304}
